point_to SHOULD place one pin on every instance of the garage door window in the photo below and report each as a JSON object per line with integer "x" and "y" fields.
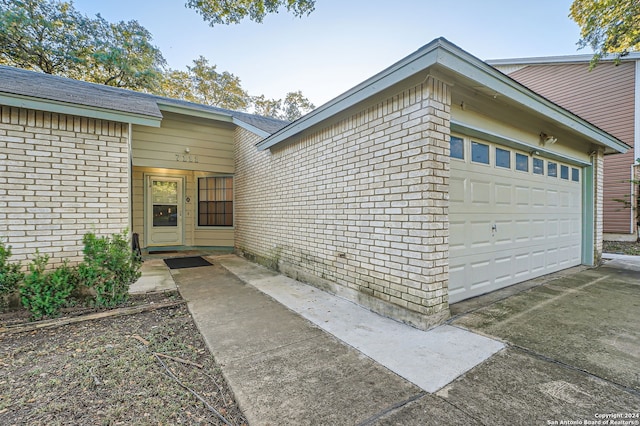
{"x": 538, "y": 166}
{"x": 457, "y": 148}
{"x": 522, "y": 162}
{"x": 552, "y": 169}
{"x": 479, "y": 153}
{"x": 575, "y": 175}
{"x": 503, "y": 158}
{"x": 564, "y": 172}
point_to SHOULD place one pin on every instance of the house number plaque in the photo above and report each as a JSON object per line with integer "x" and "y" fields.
{"x": 186, "y": 158}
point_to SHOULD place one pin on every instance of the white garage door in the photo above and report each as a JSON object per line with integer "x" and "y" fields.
{"x": 513, "y": 217}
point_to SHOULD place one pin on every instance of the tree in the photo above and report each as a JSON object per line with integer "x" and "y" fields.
{"x": 296, "y": 105}
{"x": 52, "y": 37}
{"x": 608, "y": 26}
{"x": 266, "y": 107}
{"x": 233, "y": 11}
{"x": 214, "y": 88}
{"x": 203, "y": 84}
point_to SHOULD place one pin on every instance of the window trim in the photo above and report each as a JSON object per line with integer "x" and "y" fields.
{"x": 464, "y": 157}
{"x": 471, "y": 160}
{"x": 196, "y": 219}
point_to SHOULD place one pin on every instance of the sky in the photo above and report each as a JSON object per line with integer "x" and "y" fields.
{"x": 344, "y": 42}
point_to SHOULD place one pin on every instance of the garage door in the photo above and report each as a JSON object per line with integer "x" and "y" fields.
{"x": 513, "y": 217}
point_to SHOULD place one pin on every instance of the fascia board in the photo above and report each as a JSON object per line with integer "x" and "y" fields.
{"x": 194, "y": 112}
{"x": 251, "y": 128}
{"x": 78, "y": 110}
{"x": 453, "y": 59}
{"x": 567, "y": 59}
{"x": 401, "y": 70}
{"x": 486, "y": 76}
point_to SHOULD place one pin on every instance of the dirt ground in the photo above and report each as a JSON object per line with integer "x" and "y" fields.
{"x": 618, "y": 247}
{"x": 144, "y": 368}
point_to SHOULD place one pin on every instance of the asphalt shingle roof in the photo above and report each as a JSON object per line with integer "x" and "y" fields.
{"x": 16, "y": 81}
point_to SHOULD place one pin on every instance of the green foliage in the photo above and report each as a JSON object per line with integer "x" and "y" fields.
{"x": 294, "y": 106}
{"x": 608, "y": 26}
{"x": 45, "y": 293}
{"x": 203, "y": 84}
{"x": 54, "y": 38}
{"x": 233, "y": 11}
{"x": 10, "y": 273}
{"x": 109, "y": 267}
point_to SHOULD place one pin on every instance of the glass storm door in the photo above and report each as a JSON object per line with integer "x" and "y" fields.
{"x": 164, "y": 211}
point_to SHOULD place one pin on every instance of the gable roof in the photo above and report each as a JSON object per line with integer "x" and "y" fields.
{"x": 448, "y": 59}
{"x": 35, "y": 90}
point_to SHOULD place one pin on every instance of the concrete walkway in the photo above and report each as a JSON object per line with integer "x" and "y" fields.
{"x": 565, "y": 349}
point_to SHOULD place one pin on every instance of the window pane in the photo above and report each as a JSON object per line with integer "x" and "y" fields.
{"x": 564, "y": 172}
{"x": 538, "y": 166}
{"x": 457, "y": 148}
{"x": 479, "y": 153}
{"x": 164, "y": 192}
{"x": 503, "y": 158}
{"x": 552, "y": 169}
{"x": 522, "y": 162}
{"x": 215, "y": 201}
{"x": 575, "y": 175}
{"x": 165, "y": 215}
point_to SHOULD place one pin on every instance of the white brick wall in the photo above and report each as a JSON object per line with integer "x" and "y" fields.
{"x": 598, "y": 178}
{"x": 359, "y": 207}
{"x": 60, "y": 177}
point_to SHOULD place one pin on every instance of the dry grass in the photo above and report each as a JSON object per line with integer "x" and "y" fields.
{"x": 105, "y": 372}
{"x": 618, "y": 247}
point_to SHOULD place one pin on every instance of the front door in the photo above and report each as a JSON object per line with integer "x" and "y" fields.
{"x": 164, "y": 211}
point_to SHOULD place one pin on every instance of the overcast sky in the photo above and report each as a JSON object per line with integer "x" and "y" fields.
{"x": 343, "y": 42}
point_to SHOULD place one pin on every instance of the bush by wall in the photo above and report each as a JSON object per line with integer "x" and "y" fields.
{"x": 109, "y": 267}
{"x": 10, "y": 273}
{"x": 43, "y": 292}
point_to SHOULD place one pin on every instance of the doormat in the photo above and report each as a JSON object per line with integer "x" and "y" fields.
{"x": 186, "y": 262}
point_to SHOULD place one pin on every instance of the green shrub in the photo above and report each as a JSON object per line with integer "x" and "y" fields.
{"x": 45, "y": 293}
{"x": 10, "y": 273}
{"x": 110, "y": 266}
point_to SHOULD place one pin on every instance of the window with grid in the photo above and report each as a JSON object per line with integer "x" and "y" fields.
{"x": 215, "y": 201}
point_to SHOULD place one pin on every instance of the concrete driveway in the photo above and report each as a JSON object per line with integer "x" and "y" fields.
{"x": 569, "y": 351}
{"x": 573, "y": 350}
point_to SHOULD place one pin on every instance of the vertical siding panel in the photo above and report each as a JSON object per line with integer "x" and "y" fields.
{"x": 605, "y": 97}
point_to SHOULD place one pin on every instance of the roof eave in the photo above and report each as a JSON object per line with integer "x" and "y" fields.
{"x": 503, "y": 85}
{"x": 412, "y": 64}
{"x": 194, "y": 111}
{"x": 565, "y": 59}
{"x": 58, "y": 107}
{"x": 452, "y": 58}
{"x": 251, "y": 128}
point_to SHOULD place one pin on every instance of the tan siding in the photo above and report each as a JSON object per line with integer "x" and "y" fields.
{"x": 605, "y": 97}
{"x": 210, "y": 145}
{"x": 193, "y": 236}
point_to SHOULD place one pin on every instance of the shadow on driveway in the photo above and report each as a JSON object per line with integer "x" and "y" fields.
{"x": 573, "y": 351}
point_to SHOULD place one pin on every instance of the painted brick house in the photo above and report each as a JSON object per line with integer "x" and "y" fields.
{"x": 426, "y": 184}
{"x": 607, "y": 96}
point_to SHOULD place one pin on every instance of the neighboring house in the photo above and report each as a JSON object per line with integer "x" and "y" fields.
{"x": 607, "y": 96}
{"x": 426, "y": 184}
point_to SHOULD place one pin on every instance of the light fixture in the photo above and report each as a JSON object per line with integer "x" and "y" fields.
{"x": 187, "y": 150}
{"x": 546, "y": 139}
